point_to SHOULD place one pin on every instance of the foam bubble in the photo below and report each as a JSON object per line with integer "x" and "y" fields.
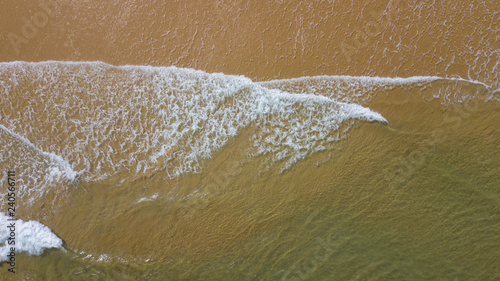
{"x": 31, "y": 237}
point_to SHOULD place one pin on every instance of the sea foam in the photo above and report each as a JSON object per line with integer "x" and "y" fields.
{"x": 90, "y": 120}
{"x": 31, "y": 237}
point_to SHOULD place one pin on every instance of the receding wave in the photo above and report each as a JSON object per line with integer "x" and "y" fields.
{"x": 63, "y": 121}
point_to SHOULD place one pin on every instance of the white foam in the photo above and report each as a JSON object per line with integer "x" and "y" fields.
{"x": 365, "y": 79}
{"x": 60, "y": 167}
{"x": 356, "y": 111}
{"x": 31, "y": 237}
{"x": 145, "y": 199}
{"x": 132, "y": 120}
{"x": 358, "y": 89}
{"x": 106, "y": 258}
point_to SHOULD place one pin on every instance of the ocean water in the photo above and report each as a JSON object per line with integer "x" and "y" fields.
{"x": 250, "y": 140}
{"x": 167, "y": 173}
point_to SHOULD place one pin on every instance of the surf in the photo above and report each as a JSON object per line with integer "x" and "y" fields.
{"x": 97, "y": 120}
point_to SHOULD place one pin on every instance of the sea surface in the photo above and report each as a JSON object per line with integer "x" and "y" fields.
{"x": 375, "y": 159}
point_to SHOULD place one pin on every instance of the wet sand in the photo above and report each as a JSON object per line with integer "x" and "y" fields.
{"x": 263, "y": 39}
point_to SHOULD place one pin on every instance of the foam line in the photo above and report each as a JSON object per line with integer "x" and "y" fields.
{"x": 371, "y": 79}
{"x": 62, "y": 167}
{"x": 379, "y": 80}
